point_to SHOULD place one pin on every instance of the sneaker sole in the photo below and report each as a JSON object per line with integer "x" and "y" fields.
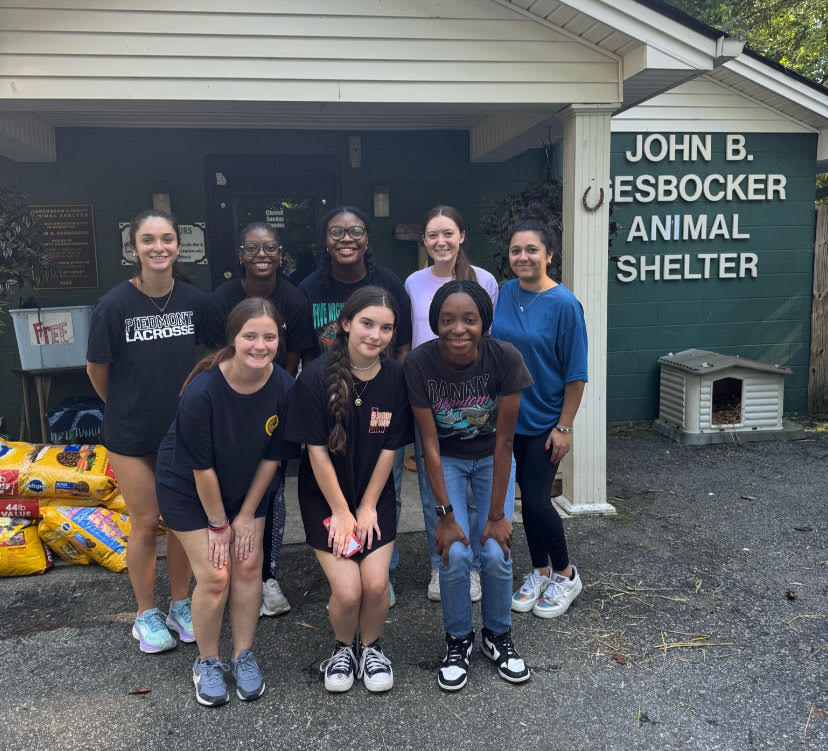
{"x": 505, "y": 676}
{"x": 211, "y": 702}
{"x": 268, "y": 612}
{"x": 251, "y": 697}
{"x": 433, "y": 597}
{"x": 476, "y": 599}
{"x": 376, "y": 687}
{"x": 184, "y": 636}
{"x": 339, "y": 688}
{"x": 522, "y": 607}
{"x": 150, "y": 649}
{"x": 453, "y": 686}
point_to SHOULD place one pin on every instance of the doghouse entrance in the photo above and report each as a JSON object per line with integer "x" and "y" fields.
{"x": 727, "y": 401}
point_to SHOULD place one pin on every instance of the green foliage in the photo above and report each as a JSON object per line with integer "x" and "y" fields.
{"x": 793, "y": 33}
{"x": 541, "y": 200}
{"x": 22, "y": 258}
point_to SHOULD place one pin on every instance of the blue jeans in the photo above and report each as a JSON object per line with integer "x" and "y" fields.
{"x": 399, "y": 458}
{"x": 495, "y": 572}
{"x": 429, "y": 515}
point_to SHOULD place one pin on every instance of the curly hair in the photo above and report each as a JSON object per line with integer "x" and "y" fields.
{"x": 340, "y": 380}
{"x": 326, "y": 265}
{"x": 472, "y": 289}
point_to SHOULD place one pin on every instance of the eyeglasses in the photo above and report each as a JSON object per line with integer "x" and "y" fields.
{"x": 355, "y": 232}
{"x": 252, "y": 249}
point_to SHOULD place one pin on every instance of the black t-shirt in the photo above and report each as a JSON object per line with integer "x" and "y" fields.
{"x": 217, "y": 427}
{"x": 149, "y": 354}
{"x": 327, "y": 301}
{"x": 383, "y": 421}
{"x": 465, "y": 402}
{"x": 297, "y": 332}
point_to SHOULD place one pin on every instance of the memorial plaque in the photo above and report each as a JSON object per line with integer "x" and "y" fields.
{"x": 69, "y": 240}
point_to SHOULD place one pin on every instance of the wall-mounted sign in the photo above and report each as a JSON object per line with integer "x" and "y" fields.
{"x": 695, "y": 208}
{"x": 192, "y": 244}
{"x": 69, "y": 240}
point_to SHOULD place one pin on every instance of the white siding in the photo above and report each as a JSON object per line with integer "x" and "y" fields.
{"x": 703, "y": 104}
{"x": 450, "y": 51}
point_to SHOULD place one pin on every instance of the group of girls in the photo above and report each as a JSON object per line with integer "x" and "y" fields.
{"x": 485, "y": 407}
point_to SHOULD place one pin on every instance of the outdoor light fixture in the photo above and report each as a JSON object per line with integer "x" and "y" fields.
{"x": 382, "y": 200}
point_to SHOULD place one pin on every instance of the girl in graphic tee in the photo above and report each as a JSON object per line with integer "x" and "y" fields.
{"x": 464, "y": 389}
{"x": 546, "y": 323}
{"x": 350, "y": 408}
{"x": 444, "y": 234}
{"x": 142, "y": 342}
{"x": 216, "y": 466}
{"x": 260, "y": 258}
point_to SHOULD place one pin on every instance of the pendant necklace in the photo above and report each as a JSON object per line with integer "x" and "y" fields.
{"x": 152, "y": 299}
{"x": 537, "y": 295}
{"x": 358, "y": 394}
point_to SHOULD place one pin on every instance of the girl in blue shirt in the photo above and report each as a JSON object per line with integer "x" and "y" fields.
{"x": 546, "y": 323}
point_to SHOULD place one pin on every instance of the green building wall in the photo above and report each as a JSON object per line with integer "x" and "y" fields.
{"x": 766, "y": 318}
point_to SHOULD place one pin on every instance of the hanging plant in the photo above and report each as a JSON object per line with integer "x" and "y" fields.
{"x": 541, "y": 200}
{"x": 23, "y": 261}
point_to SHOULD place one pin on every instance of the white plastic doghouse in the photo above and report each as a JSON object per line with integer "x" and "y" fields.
{"x": 706, "y": 397}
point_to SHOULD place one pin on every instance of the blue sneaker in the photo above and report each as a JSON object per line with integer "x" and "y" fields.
{"x": 180, "y": 619}
{"x": 392, "y": 596}
{"x": 151, "y": 632}
{"x": 208, "y": 677}
{"x": 250, "y": 683}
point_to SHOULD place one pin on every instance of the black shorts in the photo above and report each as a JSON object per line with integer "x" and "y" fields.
{"x": 315, "y": 510}
{"x": 183, "y": 513}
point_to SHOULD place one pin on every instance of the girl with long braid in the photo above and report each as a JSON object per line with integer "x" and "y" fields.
{"x": 350, "y": 409}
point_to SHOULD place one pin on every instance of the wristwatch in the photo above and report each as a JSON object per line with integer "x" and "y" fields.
{"x": 443, "y": 510}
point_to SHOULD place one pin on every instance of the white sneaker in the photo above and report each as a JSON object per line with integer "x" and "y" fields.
{"x": 558, "y": 596}
{"x": 533, "y": 587}
{"x": 375, "y": 668}
{"x": 434, "y": 586}
{"x": 474, "y": 586}
{"x": 273, "y": 601}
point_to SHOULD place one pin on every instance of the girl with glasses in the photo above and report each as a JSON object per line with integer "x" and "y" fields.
{"x": 260, "y": 259}
{"x": 350, "y": 409}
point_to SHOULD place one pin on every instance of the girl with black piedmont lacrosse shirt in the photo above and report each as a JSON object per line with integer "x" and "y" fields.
{"x": 215, "y": 469}
{"x": 260, "y": 259}
{"x": 350, "y": 408}
{"x": 142, "y": 341}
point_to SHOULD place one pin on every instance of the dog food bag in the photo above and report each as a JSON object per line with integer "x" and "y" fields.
{"x": 20, "y": 508}
{"x": 21, "y": 551}
{"x": 99, "y": 533}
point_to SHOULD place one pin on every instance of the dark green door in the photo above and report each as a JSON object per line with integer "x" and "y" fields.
{"x": 290, "y": 192}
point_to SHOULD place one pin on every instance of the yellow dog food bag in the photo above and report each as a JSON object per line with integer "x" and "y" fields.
{"x": 98, "y": 533}
{"x": 21, "y": 551}
{"x": 77, "y": 470}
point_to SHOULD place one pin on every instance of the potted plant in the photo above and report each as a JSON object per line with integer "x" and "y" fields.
{"x": 23, "y": 261}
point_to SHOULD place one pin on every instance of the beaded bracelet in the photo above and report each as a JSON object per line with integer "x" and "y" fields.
{"x": 220, "y": 528}
{"x": 563, "y": 429}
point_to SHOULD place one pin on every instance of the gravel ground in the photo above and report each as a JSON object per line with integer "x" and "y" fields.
{"x": 684, "y": 636}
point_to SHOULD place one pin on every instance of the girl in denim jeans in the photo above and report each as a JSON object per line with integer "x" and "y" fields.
{"x": 464, "y": 390}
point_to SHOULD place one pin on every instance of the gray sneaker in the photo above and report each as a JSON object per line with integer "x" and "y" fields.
{"x": 250, "y": 683}
{"x": 274, "y": 601}
{"x": 208, "y": 677}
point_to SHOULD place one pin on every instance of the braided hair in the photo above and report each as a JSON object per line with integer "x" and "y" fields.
{"x": 326, "y": 265}
{"x": 473, "y": 290}
{"x": 340, "y": 380}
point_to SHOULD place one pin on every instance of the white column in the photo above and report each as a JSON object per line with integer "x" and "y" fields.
{"x": 586, "y": 165}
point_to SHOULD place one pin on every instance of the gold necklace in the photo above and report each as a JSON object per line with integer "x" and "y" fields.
{"x": 152, "y": 300}
{"x": 358, "y": 394}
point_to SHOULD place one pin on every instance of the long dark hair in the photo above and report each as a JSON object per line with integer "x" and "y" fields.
{"x": 250, "y": 307}
{"x": 547, "y": 236}
{"x": 135, "y": 225}
{"x": 462, "y": 268}
{"x": 339, "y": 377}
{"x": 472, "y": 289}
{"x": 326, "y": 264}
